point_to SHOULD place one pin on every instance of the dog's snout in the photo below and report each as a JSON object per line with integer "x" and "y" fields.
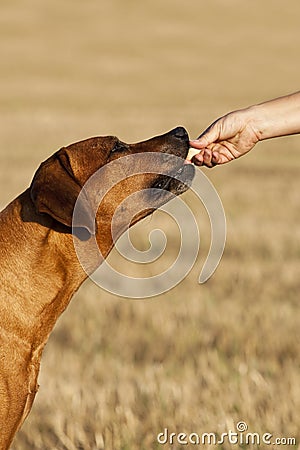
{"x": 180, "y": 133}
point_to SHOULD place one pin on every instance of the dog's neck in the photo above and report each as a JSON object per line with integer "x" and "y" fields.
{"x": 43, "y": 264}
{"x": 39, "y": 274}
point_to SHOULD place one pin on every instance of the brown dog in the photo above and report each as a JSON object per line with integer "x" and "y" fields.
{"x": 39, "y": 268}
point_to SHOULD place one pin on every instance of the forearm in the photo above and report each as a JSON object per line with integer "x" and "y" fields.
{"x": 278, "y": 117}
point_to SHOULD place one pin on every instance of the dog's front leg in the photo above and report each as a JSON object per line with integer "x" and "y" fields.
{"x": 18, "y": 386}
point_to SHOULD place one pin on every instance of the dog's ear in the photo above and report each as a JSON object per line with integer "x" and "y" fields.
{"x": 54, "y": 191}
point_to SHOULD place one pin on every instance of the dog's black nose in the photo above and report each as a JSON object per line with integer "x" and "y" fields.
{"x": 179, "y": 132}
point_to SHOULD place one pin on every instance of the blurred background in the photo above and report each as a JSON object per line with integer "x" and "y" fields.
{"x": 199, "y": 358}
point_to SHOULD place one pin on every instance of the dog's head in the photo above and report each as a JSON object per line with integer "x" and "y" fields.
{"x": 60, "y": 179}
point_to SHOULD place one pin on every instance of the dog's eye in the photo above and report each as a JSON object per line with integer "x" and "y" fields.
{"x": 117, "y": 147}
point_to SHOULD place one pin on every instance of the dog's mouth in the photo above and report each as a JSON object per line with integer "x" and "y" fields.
{"x": 176, "y": 182}
{"x": 179, "y": 178}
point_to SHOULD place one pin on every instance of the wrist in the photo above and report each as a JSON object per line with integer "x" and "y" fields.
{"x": 259, "y": 122}
{"x": 278, "y": 117}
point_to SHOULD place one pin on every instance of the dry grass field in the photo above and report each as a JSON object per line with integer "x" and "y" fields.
{"x": 199, "y": 358}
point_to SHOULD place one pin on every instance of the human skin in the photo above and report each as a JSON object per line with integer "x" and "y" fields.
{"x": 236, "y": 133}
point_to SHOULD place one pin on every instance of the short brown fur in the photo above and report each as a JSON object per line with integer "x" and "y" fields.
{"x": 39, "y": 268}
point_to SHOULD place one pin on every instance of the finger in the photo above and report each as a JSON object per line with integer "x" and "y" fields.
{"x": 221, "y": 156}
{"x": 210, "y": 135}
{"x": 198, "y": 159}
{"x": 217, "y": 158}
{"x": 197, "y": 144}
{"x": 207, "y": 155}
{"x": 215, "y": 155}
{"x": 204, "y": 158}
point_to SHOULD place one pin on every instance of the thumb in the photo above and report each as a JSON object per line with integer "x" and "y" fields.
{"x": 210, "y": 135}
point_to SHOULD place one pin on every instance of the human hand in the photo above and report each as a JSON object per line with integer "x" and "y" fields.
{"x": 228, "y": 138}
